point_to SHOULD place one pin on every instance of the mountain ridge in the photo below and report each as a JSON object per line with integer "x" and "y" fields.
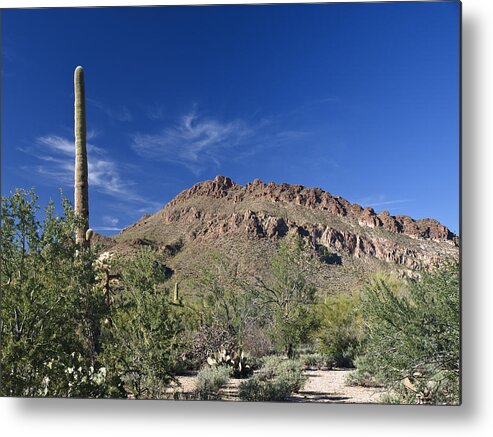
{"x": 246, "y": 223}
{"x": 221, "y": 186}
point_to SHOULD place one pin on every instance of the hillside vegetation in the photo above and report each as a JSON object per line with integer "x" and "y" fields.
{"x": 75, "y": 323}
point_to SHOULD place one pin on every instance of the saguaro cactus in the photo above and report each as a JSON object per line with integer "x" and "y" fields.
{"x": 175, "y": 294}
{"x": 81, "y": 195}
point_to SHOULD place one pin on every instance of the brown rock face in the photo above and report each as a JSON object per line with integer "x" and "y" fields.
{"x": 221, "y": 209}
{"x": 315, "y": 198}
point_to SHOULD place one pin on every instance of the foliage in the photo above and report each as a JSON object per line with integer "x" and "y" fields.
{"x": 361, "y": 377}
{"x": 341, "y": 328}
{"x": 257, "y": 342}
{"x": 205, "y": 341}
{"x": 414, "y": 336}
{"x": 210, "y": 380}
{"x": 51, "y": 305}
{"x": 61, "y": 335}
{"x": 224, "y": 302}
{"x": 329, "y": 257}
{"x": 276, "y": 381}
{"x": 289, "y": 296}
{"x": 317, "y": 361}
{"x": 142, "y": 343}
{"x": 82, "y": 381}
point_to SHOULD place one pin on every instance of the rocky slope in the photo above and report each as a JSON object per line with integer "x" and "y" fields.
{"x": 247, "y": 222}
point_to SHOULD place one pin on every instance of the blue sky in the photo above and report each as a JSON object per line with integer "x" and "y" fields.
{"x": 361, "y": 100}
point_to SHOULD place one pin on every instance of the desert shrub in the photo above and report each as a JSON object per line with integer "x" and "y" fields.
{"x": 317, "y": 361}
{"x": 207, "y": 340}
{"x": 341, "y": 328}
{"x": 227, "y": 310}
{"x": 413, "y": 336}
{"x": 143, "y": 341}
{"x": 289, "y": 296}
{"x": 257, "y": 342}
{"x": 210, "y": 380}
{"x": 277, "y": 380}
{"x": 361, "y": 377}
{"x": 52, "y": 305}
{"x": 327, "y": 257}
{"x": 80, "y": 380}
{"x": 173, "y": 248}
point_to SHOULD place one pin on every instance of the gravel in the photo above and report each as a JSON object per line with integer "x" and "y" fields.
{"x": 322, "y": 386}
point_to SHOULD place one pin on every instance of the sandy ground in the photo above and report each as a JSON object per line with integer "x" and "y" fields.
{"x": 325, "y": 386}
{"x": 330, "y": 386}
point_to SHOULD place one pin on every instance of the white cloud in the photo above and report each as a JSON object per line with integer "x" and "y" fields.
{"x": 64, "y": 146}
{"x": 194, "y": 141}
{"x": 381, "y": 200}
{"x": 390, "y": 202}
{"x": 58, "y": 155}
{"x": 106, "y": 228}
{"x": 110, "y": 221}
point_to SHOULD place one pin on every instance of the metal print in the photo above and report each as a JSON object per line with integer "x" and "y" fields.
{"x": 236, "y": 203}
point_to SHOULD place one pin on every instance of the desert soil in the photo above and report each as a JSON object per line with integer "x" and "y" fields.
{"x": 326, "y": 386}
{"x": 330, "y": 386}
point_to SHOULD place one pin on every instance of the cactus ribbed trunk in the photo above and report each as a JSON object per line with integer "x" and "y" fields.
{"x": 81, "y": 195}
{"x": 175, "y": 294}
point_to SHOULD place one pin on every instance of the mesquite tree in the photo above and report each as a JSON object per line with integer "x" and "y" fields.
{"x": 81, "y": 195}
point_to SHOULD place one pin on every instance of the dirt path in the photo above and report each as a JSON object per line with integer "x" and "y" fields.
{"x": 330, "y": 386}
{"x": 324, "y": 386}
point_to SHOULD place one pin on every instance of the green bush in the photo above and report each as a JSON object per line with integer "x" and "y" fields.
{"x": 413, "y": 336}
{"x": 52, "y": 305}
{"x": 289, "y": 296}
{"x": 143, "y": 343}
{"x": 317, "y": 361}
{"x": 277, "y": 380}
{"x": 341, "y": 328}
{"x": 210, "y": 380}
{"x": 360, "y": 377}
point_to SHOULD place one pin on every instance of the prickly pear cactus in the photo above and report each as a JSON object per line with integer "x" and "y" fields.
{"x": 236, "y": 360}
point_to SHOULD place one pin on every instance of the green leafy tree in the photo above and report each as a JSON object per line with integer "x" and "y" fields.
{"x": 51, "y": 307}
{"x": 414, "y": 336}
{"x": 142, "y": 340}
{"x": 289, "y": 295}
{"x": 225, "y": 302}
{"x": 341, "y": 328}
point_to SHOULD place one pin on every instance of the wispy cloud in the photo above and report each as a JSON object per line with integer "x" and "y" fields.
{"x": 105, "y": 228}
{"x": 391, "y": 202}
{"x": 65, "y": 146}
{"x": 56, "y": 155}
{"x": 193, "y": 141}
{"x": 109, "y": 220}
{"x": 110, "y": 223}
{"x": 198, "y": 142}
{"x": 382, "y": 200}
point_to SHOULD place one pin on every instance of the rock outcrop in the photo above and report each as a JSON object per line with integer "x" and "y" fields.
{"x": 260, "y": 213}
{"x": 315, "y": 198}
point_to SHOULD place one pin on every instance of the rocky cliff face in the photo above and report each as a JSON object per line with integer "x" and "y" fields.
{"x": 315, "y": 198}
{"x": 221, "y": 209}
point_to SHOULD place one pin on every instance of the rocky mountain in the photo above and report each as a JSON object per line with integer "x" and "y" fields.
{"x": 246, "y": 223}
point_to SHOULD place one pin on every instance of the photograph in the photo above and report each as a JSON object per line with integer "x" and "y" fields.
{"x": 245, "y": 202}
